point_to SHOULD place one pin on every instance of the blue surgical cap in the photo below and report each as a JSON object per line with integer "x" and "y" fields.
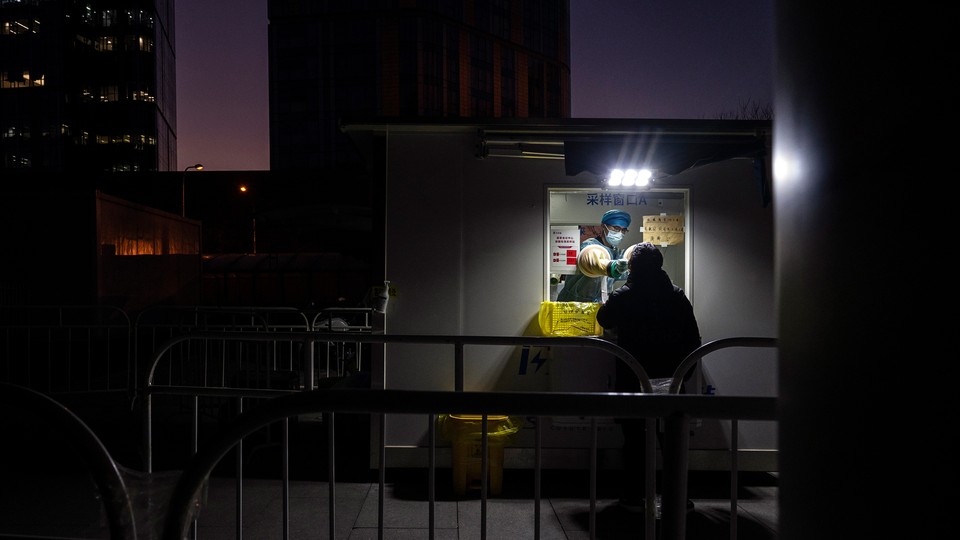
{"x": 617, "y": 218}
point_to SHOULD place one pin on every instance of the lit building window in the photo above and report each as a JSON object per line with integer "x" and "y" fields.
{"x": 125, "y": 167}
{"x": 108, "y": 18}
{"x": 139, "y": 16}
{"x": 139, "y": 43}
{"x": 25, "y": 80}
{"x": 19, "y": 26}
{"x": 142, "y": 95}
{"x": 109, "y": 93}
{"x": 19, "y": 161}
{"x": 15, "y": 132}
{"x": 105, "y": 43}
{"x": 85, "y": 41}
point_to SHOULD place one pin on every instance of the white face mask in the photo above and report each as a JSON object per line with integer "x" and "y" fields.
{"x": 614, "y": 238}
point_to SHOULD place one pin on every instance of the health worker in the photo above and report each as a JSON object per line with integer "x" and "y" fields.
{"x": 601, "y": 261}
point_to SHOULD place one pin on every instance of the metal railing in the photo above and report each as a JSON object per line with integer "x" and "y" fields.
{"x": 675, "y": 417}
{"x": 104, "y": 472}
{"x": 54, "y": 349}
{"x": 66, "y": 349}
{"x": 679, "y": 425}
{"x": 184, "y": 501}
{"x": 675, "y": 410}
{"x": 458, "y": 342}
{"x": 61, "y": 349}
{"x": 212, "y": 382}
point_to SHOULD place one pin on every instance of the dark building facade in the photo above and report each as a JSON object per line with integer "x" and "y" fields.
{"x": 87, "y": 86}
{"x": 408, "y": 58}
{"x": 90, "y": 87}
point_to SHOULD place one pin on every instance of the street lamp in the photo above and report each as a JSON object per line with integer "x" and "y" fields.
{"x": 183, "y": 188}
{"x": 253, "y": 201}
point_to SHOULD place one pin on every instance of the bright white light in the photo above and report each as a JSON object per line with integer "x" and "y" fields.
{"x": 644, "y": 177}
{"x": 616, "y": 177}
{"x": 785, "y": 169}
{"x": 630, "y": 177}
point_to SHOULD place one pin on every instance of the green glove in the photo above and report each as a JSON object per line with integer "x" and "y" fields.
{"x": 618, "y": 268}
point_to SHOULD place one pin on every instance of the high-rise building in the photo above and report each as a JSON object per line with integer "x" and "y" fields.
{"x": 408, "y": 58}
{"x": 87, "y": 86}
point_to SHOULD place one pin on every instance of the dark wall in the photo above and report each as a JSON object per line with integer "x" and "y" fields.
{"x": 294, "y": 239}
{"x": 50, "y": 247}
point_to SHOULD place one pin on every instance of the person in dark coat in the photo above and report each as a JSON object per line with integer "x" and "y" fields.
{"x": 654, "y": 321}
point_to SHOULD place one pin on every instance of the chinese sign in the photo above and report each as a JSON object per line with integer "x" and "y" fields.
{"x": 616, "y": 199}
{"x": 564, "y": 248}
{"x": 663, "y": 230}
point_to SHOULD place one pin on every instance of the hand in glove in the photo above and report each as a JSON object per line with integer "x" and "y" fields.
{"x": 618, "y": 268}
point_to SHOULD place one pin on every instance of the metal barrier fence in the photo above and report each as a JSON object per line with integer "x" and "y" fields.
{"x": 66, "y": 349}
{"x": 104, "y": 471}
{"x": 269, "y": 356}
{"x": 676, "y": 420}
{"x": 673, "y": 408}
{"x": 157, "y": 325}
{"x": 78, "y": 349}
{"x": 196, "y": 377}
{"x": 186, "y": 498}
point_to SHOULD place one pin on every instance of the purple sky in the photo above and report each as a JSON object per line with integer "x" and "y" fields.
{"x": 629, "y": 59}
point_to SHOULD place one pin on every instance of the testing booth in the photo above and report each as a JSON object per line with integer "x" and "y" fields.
{"x": 480, "y": 220}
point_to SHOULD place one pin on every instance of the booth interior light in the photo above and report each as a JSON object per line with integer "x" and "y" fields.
{"x": 630, "y": 177}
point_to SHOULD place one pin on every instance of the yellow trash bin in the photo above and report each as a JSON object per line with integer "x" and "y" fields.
{"x": 464, "y": 432}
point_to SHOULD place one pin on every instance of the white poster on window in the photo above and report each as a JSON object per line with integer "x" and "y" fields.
{"x": 564, "y": 248}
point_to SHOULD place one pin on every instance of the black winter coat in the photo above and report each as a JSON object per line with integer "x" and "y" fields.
{"x": 653, "y": 321}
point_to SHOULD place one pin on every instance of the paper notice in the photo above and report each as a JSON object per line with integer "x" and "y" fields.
{"x": 662, "y": 230}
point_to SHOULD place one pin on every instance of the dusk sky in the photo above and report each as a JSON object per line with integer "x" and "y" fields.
{"x": 628, "y": 59}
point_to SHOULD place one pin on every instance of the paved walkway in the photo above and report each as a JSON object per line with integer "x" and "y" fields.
{"x": 55, "y": 503}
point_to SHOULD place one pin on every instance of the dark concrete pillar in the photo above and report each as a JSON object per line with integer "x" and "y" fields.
{"x": 863, "y": 377}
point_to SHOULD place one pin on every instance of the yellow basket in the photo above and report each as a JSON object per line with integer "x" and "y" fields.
{"x": 569, "y": 319}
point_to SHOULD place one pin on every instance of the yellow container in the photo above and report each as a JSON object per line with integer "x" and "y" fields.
{"x": 465, "y": 432}
{"x": 569, "y": 319}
